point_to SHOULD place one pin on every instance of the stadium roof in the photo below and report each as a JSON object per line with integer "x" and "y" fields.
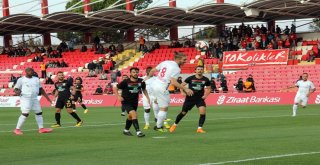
{"x": 208, "y": 14}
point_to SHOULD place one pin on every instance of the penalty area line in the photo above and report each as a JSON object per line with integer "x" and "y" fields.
{"x": 263, "y": 158}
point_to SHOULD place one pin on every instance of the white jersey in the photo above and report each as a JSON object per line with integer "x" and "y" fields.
{"x": 29, "y": 86}
{"x": 304, "y": 87}
{"x": 167, "y": 70}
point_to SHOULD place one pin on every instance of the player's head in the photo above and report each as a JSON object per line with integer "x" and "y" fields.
{"x": 199, "y": 70}
{"x": 60, "y": 76}
{"x": 305, "y": 76}
{"x": 180, "y": 58}
{"x": 78, "y": 81}
{"x": 134, "y": 72}
{"x": 148, "y": 70}
{"x": 29, "y": 72}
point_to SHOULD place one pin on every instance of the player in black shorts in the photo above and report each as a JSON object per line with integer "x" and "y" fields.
{"x": 129, "y": 98}
{"x": 63, "y": 93}
{"x": 78, "y": 96}
{"x": 196, "y": 83}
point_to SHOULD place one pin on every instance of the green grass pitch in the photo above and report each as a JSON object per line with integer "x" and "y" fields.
{"x": 235, "y": 135}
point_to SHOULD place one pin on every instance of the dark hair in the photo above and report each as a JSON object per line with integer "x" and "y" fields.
{"x": 179, "y": 55}
{"x": 199, "y": 66}
{"x": 60, "y": 72}
{"x": 134, "y": 68}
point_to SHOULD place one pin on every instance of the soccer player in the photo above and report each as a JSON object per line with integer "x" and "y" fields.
{"x": 28, "y": 88}
{"x": 129, "y": 98}
{"x": 169, "y": 72}
{"x": 146, "y": 104}
{"x": 78, "y": 96}
{"x": 63, "y": 93}
{"x": 197, "y": 83}
{"x": 305, "y": 89}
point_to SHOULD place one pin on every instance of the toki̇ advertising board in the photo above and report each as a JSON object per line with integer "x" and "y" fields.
{"x": 219, "y": 99}
{"x": 244, "y": 59}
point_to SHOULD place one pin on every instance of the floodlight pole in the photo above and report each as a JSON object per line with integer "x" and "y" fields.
{"x": 219, "y": 27}
{"x": 7, "y": 39}
{"x": 174, "y": 29}
{"x": 46, "y": 37}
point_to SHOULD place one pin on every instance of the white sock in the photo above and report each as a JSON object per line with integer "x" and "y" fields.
{"x": 126, "y": 130}
{"x": 147, "y": 118}
{"x": 39, "y": 120}
{"x": 162, "y": 115}
{"x": 156, "y": 110}
{"x": 199, "y": 127}
{"x": 21, "y": 120}
{"x": 138, "y": 132}
{"x": 294, "y": 110}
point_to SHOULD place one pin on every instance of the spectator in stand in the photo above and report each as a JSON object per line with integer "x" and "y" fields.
{"x": 220, "y": 51}
{"x": 100, "y": 50}
{"x": 250, "y": 78}
{"x": 293, "y": 28}
{"x": 248, "y": 86}
{"x": 293, "y": 39}
{"x": 43, "y": 69}
{"x": 224, "y": 86}
{"x": 84, "y": 48}
{"x": 287, "y": 43}
{"x": 280, "y": 43}
{"x": 49, "y": 80}
{"x": 99, "y": 68}
{"x": 114, "y": 75}
{"x": 187, "y": 43}
{"x": 156, "y": 45}
{"x": 286, "y": 31}
{"x": 214, "y": 86}
{"x": 120, "y": 48}
{"x": 99, "y": 91}
{"x": 42, "y": 50}
{"x": 49, "y": 50}
{"x": 4, "y": 51}
{"x": 318, "y": 46}
{"x": 112, "y": 50}
{"x": 91, "y": 66}
{"x": 103, "y": 76}
{"x": 278, "y": 30}
{"x": 263, "y": 29}
{"x": 58, "y": 65}
{"x": 63, "y": 64}
{"x": 312, "y": 56}
{"x": 63, "y": 46}
{"x": 239, "y": 85}
{"x": 108, "y": 90}
{"x": 96, "y": 40}
{"x": 142, "y": 42}
{"x": 270, "y": 46}
{"x": 71, "y": 45}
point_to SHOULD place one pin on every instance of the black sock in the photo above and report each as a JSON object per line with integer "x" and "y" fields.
{"x": 73, "y": 106}
{"x": 179, "y": 117}
{"x": 201, "y": 120}
{"x": 128, "y": 124}
{"x": 155, "y": 119}
{"x": 122, "y": 109}
{"x": 74, "y": 115}
{"x": 58, "y": 117}
{"x": 83, "y": 106}
{"x": 135, "y": 124}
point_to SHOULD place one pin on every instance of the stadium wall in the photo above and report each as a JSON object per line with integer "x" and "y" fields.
{"x": 218, "y": 99}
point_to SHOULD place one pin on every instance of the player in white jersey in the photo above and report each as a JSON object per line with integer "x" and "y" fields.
{"x": 169, "y": 72}
{"x": 305, "y": 88}
{"x": 28, "y": 88}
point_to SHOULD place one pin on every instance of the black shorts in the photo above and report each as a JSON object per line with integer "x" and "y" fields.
{"x": 129, "y": 107}
{"x": 67, "y": 103}
{"x": 77, "y": 98}
{"x": 189, "y": 104}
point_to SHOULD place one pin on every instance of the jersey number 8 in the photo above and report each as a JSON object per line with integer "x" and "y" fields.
{"x": 163, "y": 72}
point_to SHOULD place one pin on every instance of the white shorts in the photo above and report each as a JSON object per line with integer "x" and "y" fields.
{"x": 28, "y": 104}
{"x": 161, "y": 95}
{"x": 301, "y": 99}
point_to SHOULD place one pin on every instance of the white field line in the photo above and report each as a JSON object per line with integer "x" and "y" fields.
{"x": 262, "y": 158}
{"x": 231, "y": 118}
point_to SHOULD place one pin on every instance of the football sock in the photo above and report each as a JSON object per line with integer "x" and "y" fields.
{"x": 83, "y": 106}
{"x": 179, "y": 117}
{"x": 123, "y": 110}
{"x": 128, "y": 124}
{"x": 75, "y": 116}
{"x": 147, "y": 117}
{"x": 156, "y": 109}
{"x": 162, "y": 115}
{"x": 294, "y": 109}
{"x": 39, "y": 120}
{"x": 58, "y": 117}
{"x": 21, "y": 120}
{"x": 73, "y": 106}
{"x": 202, "y": 119}
{"x": 135, "y": 124}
